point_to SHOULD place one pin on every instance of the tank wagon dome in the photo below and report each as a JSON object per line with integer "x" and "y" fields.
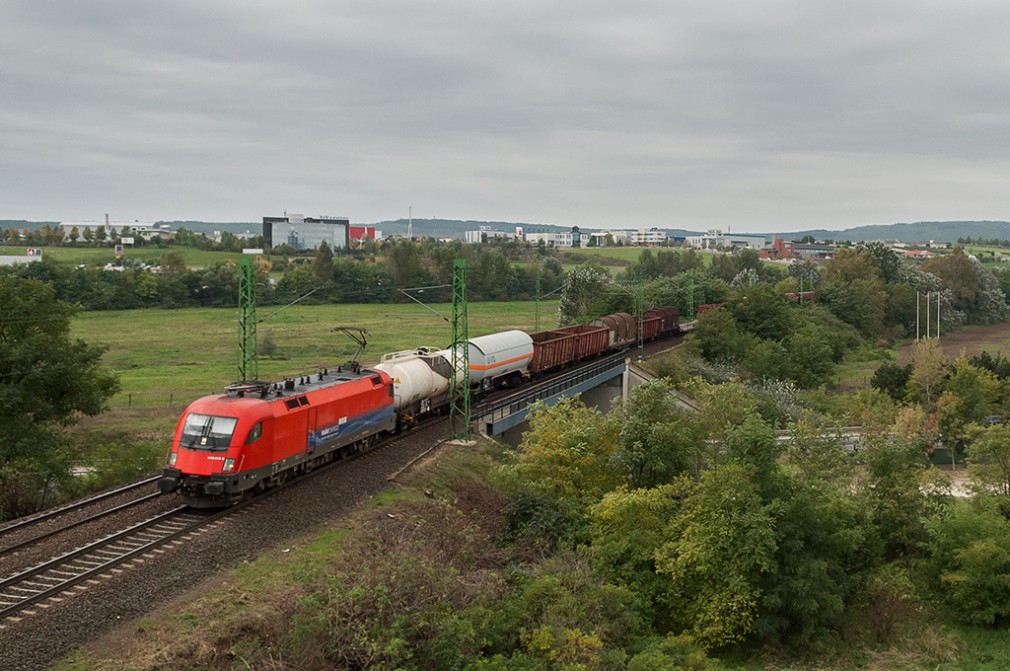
{"x": 416, "y": 375}
{"x": 502, "y": 342}
{"x": 497, "y": 354}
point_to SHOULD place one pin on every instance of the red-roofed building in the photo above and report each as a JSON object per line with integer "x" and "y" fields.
{"x": 358, "y": 232}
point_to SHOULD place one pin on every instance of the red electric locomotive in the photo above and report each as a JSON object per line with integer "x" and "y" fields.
{"x": 257, "y": 435}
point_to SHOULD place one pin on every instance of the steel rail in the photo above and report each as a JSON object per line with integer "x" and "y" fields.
{"x": 56, "y": 576}
{"x": 77, "y": 504}
{"x": 91, "y": 518}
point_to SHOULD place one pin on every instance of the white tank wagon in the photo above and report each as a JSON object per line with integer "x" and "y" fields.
{"x": 497, "y": 359}
{"x": 421, "y": 380}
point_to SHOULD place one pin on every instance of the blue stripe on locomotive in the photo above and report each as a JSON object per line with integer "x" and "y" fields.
{"x": 352, "y": 426}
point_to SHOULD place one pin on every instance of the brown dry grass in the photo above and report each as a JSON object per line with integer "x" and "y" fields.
{"x": 929, "y": 648}
{"x": 994, "y": 338}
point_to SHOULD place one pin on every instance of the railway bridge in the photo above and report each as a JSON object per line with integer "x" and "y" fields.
{"x": 616, "y": 372}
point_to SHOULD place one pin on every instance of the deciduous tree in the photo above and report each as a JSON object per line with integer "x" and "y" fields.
{"x": 929, "y": 369}
{"x": 989, "y": 457}
{"x": 583, "y": 295}
{"x": 657, "y": 440}
{"x": 47, "y": 380}
{"x": 322, "y": 265}
{"x": 568, "y": 451}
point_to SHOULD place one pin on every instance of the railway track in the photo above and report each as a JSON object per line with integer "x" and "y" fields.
{"x": 21, "y": 545}
{"x": 47, "y": 583}
{"x": 75, "y": 506}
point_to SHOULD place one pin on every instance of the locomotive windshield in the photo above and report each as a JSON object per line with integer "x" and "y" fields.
{"x": 207, "y": 432}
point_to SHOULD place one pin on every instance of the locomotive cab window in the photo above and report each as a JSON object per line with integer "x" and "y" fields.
{"x": 254, "y": 433}
{"x": 207, "y": 432}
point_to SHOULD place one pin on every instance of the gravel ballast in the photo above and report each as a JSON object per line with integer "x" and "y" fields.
{"x": 37, "y": 641}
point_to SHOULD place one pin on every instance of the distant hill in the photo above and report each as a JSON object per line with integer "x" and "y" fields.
{"x": 21, "y": 223}
{"x": 921, "y": 232}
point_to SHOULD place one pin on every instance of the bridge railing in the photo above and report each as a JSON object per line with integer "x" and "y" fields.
{"x": 491, "y": 412}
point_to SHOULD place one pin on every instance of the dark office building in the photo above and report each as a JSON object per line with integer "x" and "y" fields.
{"x": 299, "y": 232}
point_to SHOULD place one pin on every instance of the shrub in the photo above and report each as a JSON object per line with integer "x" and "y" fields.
{"x": 971, "y": 560}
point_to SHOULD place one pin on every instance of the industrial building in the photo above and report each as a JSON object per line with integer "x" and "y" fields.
{"x": 648, "y": 237}
{"x": 560, "y": 240}
{"x": 483, "y": 234}
{"x": 135, "y": 229}
{"x": 718, "y": 240}
{"x": 358, "y": 233}
{"x": 305, "y": 233}
{"x": 783, "y": 249}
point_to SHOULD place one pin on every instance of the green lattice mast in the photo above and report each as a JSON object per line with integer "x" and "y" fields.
{"x": 459, "y": 409}
{"x": 640, "y": 300}
{"x": 690, "y": 294}
{"x": 248, "y": 360}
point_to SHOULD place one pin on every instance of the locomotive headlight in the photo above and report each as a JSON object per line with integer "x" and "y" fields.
{"x": 229, "y": 466}
{"x": 172, "y": 456}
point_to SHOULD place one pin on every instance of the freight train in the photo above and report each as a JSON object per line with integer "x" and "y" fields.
{"x": 257, "y": 435}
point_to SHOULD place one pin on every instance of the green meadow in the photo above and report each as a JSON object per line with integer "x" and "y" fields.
{"x": 625, "y": 256}
{"x": 173, "y": 356}
{"x": 99, "y": 256}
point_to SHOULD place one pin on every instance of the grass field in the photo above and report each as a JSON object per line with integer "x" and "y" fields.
{"x": 993, "y": 258}
{"x": 173, "y": 356}
{"x": 94, "y": 256}
{"x": 629, "y": 255}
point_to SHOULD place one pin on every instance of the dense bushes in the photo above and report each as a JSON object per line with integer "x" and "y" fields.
{"x": 970, "y": 547}
{"x": 752, "y": 542}
{"x": 769, "y": 337}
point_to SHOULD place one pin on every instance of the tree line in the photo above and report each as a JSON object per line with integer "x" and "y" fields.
{"x": 327, "y": 277}
{"x": 863, "y": 296}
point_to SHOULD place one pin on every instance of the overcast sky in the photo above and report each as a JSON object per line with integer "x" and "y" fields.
{"x": 741, "y": 115}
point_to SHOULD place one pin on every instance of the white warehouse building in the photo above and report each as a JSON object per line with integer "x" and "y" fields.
{"x": 560, "y": 240}
{"x": 485, "y": 232}
{"x": 716, "y": 240}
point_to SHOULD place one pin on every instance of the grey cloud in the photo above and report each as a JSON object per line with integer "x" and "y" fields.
{"x": 781, "y": 114}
